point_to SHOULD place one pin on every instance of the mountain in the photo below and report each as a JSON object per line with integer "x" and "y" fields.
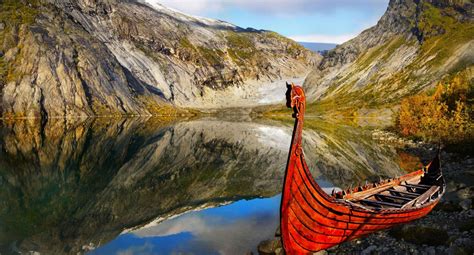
{"x": 415, "y": 44}
{"x": 318, "y": 47}
{"x": 116, "y": 57}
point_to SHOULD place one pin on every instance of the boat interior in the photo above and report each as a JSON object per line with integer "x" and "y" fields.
{"x": 400, "y": 193}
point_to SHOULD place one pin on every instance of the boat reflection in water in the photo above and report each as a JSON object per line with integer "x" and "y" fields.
{"x": 202, "y": 186}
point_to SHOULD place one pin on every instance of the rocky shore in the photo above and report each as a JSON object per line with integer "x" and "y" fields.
{"x": 448, "y": 229}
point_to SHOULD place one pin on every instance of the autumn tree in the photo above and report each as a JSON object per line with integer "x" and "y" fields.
{"x": 443, "y": 116}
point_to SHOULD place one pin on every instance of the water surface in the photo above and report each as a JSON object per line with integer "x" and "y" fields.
{"x": 151, "y": 186}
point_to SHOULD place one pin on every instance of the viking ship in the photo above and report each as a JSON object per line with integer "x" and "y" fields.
{"x": 312, "y": 220}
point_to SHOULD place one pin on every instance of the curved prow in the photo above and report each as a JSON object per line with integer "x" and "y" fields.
{"x": 296, "y": 99}
{"x": 297, "y": 174}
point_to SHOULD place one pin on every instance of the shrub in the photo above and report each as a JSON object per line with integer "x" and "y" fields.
{"x": 444, "y": 116}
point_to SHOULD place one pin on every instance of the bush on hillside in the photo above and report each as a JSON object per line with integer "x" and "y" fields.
{"x": 444, "y": 116}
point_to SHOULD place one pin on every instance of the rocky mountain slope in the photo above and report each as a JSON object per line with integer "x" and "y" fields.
{"x": 415, "y": 44}
{"x": 115, "y": 57}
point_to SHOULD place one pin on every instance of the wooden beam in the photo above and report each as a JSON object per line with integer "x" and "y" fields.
{"x": 412, "y": 177}
{"x": 416, "y": 186}
{"x": 394, "y": 197}
{"x": 370, "y": 192}
{"x": 380, "y": 203}
{"x": 427, "y": 195}
{"x": 422, "y": 198}
{"x": 410, "y": 194}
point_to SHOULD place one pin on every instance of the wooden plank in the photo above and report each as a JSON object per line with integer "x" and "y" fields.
{"x": 394, "y": 197}
{"x": 411, "y": 203}
{"x": 415, "y": 186}
{"x": 370, "y": 192}
{"x": 410, "y": 194}
{"x": 422, "y": 198}
{"x": 422, "y": 185}
{"x": 380, "y": 203}
{"x": 426, "y": 196}
{"x": 415, "y": 176}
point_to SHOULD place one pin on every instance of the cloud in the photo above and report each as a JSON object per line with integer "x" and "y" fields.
{"x": 272, "y": 7}
{"x": 216, "y": 232}
{"x": 320, "y": 38}
{"x": 196, "y": 7}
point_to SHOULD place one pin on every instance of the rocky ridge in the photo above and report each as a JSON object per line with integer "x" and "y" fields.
{"x": 413, "y": 46}
{"x": 116, "y": 57}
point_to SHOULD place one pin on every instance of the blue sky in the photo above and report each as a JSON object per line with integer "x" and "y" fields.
{"x": 330, "y": 21}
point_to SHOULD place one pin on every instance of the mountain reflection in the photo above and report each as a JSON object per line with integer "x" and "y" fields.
{"x": 66, "y": 186}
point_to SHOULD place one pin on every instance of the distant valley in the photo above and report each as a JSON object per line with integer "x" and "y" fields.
{"x": 318, "y": 47}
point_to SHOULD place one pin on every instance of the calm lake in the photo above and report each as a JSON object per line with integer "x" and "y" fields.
{"x": 150, "y": 186}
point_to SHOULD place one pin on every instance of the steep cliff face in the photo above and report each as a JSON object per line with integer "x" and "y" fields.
{"x": 413, "y": 46}
{"x": 53, "y": 67}
{"x": 126, "y": 57}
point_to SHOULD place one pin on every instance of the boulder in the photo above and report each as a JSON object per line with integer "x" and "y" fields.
{"x": 269, "y": 247}
{"x": 466, "y": 204}
{"x": 420, "y": 235}
{"x": 369, "y": 250}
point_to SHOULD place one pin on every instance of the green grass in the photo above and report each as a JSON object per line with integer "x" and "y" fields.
{"x": 241, "y": 47}
{"x": 186, "y": 44}
{"x": 432, "y": 19}
{"x": 212, "y": 56}
{"x": 3, "y": 69}
{"x": 13, "y": 14}
{"x": 239, "y": 40}
{"x": 293, "y": 48}
{"x": 369, "y": 96}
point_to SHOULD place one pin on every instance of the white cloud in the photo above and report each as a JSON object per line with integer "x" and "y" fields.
{"x": 216, "y": 232}
{"x": 289, "y": 7}
{"x": 195, "y": 7}
{"x": 338, "y": 39}
{"x": 275, "y": 8}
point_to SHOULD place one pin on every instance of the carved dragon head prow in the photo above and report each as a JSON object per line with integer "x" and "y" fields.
{"x": 295, "y": 99}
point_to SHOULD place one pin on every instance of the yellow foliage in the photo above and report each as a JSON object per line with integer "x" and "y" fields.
{"x": 443, "y": 116}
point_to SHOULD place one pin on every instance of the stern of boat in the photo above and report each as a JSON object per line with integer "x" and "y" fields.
{"x": 433, "y": 174}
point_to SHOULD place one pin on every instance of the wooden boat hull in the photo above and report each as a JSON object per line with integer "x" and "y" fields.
{"x": 312, "y": 220}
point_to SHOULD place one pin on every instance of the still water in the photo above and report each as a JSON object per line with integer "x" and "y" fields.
{"x": 151, "y": 186}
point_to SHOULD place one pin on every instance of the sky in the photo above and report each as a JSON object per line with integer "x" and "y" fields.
{"x": 326, "y": 21}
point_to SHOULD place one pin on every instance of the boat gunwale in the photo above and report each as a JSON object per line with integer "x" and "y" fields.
{"x": 348, "y": 203}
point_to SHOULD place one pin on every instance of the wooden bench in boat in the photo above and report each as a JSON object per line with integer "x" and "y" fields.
{"x": 399, "y": 201}
{"x": 416, "y": 186}
{"x": 408, "y": 194}
{"x": 423, "y": 197}
{"x": 393, "y": 197}
{"x": 379, "y": 203}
